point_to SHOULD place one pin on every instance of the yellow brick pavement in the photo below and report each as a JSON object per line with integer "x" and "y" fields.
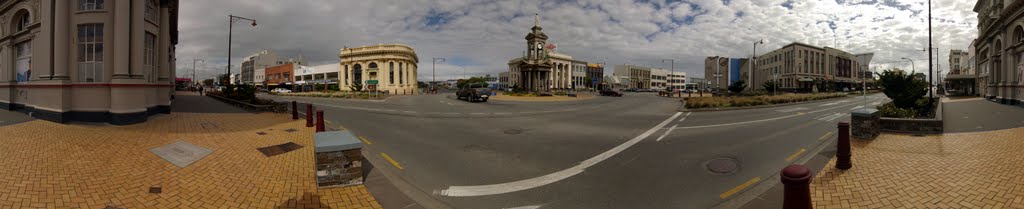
{"x": 963, "y": 170}
{"x": 50, "y": 165}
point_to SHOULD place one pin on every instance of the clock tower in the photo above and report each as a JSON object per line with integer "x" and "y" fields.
{"x": 535, "y": 67}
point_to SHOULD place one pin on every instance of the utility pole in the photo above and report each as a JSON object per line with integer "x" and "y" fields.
{"x": 231, "y": 23}
{"x": 753, "y": 62}
{"x": 931, "y": 75}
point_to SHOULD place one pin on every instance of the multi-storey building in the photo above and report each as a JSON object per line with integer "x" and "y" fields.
{"x": 800, "y": 67}
{"x": 724, "y": 71}
{"x": 314, "y": 78}
{"x": 262, "y": 59}
{"x": 96, "y": 61}
{"x": 579, "y": 75}
{"x": 960, "y": 79}
{"x": 659, "y": 78}
{"x": 503, "y": 80}
{"x": 595, "y": 75}
{"x": 632, "y": 76}
{"x": 677, "y": 80}
{"x": 1000, "y": 37}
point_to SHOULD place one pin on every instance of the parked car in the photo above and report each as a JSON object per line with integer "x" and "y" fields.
{"x": 474, "y": 92}
{"x": 610, "y": 92}
{"x": 281, "y": 90}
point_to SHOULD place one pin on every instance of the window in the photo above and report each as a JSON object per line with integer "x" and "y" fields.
{"x": 23, "y": 22}
{"x": 90, "y": 53}
{"x": 24, "y": 61}
{"x": 391, "y": 67}
{"x": 401, "y": 79}
{"x": 152, "y": 13}
{"x": 149, "y": 57}
{"x": 90, "y": 5}
{"x": 373, "y": 65}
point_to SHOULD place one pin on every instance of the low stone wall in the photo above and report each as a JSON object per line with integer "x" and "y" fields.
{"x": 915, "y": 125}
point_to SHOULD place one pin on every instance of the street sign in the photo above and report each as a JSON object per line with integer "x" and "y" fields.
{"x": 371, "y": 82}
{"x": 371, "y": 87}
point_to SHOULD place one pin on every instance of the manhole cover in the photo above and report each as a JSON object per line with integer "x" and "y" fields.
{"x": 279, "y": 149}
{"x": 513, "y": 131}
{"x": 155, "y": 189}
{"x": 261, "y": 133}
{"x": 723, "y": 165}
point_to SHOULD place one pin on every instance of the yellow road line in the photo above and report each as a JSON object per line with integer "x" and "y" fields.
{"x": 739, "y": 188}
{"x": 793, "y": 157}
{"x": 823, "y": 137}
{"x": 368, "y": 142}
{"x": 393, "y": 162}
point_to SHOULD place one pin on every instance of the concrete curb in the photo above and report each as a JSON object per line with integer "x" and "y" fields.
{"x": 754, "y": 107}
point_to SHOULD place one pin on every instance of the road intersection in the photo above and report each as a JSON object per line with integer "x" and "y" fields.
{"x": 637, "y": 151}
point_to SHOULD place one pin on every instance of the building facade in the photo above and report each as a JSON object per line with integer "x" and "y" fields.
{"x": 579, "y": 75}
{"x": 1000, "y": 49}
{"x": 392, "y": 66}
{"x": 95, "y": 61}
{"x": 659, "y": 78}
{"x": 595, "y": 75}
{"x": 259, "y": 77}
{"x": 960, "y": 80}
{"x": 314, "y": 78}
{"x": 724, "y": 71}
{"x": 503, "y": 81}
{"x": 697, "y": 83}
{"x": 632, "y": 76}
{"x": 280, "y": 75}
{"x": 677, "y": 80}
{"x": 541, "y": 69}
{"x": 800, "y": 67}
{"x": 262, "y": 59}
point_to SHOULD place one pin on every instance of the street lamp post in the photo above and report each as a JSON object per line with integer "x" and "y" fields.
{"x": 930, "y": 76}
{"x": 194, "y": 68}
{"x": 754, "y": 61}
{"x": 912, "y": 65}
{"x": 433, "y": 72}
{"x": 231, "y": 23}
{"x": 670, "y": 75}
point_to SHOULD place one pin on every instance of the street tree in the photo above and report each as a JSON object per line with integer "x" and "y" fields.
{"x": 738, "y": 86}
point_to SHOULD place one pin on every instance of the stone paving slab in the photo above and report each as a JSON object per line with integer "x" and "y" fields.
{"x": 50, "y": 165}
{"x": 181, "y": 153}
{"x": 963, "y": 170}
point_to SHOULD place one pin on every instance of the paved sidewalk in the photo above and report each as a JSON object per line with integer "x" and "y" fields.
{"x": 970, "y": 114}
{"x": 50, "y": 165}
{"x": 962, "y": 170}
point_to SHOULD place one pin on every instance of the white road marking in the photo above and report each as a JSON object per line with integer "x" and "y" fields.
{"x": 830, "y": 117}
{"x": 478, "y": 113}
{"x": 502, "y": 188}
{"x": 875, "y": 103}
{"x": 828, "y": 104}
{"x": 857, "y": 107}
{"x": 502, "y": 113}
{"x": 667, "y": 131}
{"x": 762, "y": 120}
{"x": 684, "y": 117}
{"x": 793, "y": 109}
{"x": 526, "y": 207}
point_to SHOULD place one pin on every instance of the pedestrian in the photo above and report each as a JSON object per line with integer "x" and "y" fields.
{"x": 200, "y": 90}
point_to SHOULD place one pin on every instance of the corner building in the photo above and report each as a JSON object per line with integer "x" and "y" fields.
{"x": 393, "y": 66}
{"x": 88, "y": 60}
{"x": 1000, "y": 50}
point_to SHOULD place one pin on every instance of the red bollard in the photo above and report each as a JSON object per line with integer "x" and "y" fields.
{"x": 797, "y": 192}
{"x": 319, "y": 121}
{"x": 309, "y": 115}
{"x": 843, "y": 147}
{"x": 295, "y": 110}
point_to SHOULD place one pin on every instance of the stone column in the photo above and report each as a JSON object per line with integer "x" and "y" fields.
{"x": 61, "y": 41}
{"x": 162, "y": 48}
{"x": 120, "y": 45}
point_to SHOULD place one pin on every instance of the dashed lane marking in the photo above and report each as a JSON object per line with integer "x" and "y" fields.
{"x": 739, "y": 188}
{"x": 368, "y": 142}
{"x": 797, "y": 154}
{"x": 392, "y": 161}
{"x": 666, "y": 132}
{"x": 857, "y": 107}
{"x": 823, "y": 137}
{"x": 684, "y": 118}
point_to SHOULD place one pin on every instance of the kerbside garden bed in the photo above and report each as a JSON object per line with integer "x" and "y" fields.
{"x": 338, "y": 94}
{"x": 731, "y": 102}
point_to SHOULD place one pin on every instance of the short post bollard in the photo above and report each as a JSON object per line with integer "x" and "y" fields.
{"x": 309, "y": 115}
{"x": 843, "y": 147}
{"x": 295, "y": 110}
{"x": 797, "y": 182}
{"x": 319, "y": 121}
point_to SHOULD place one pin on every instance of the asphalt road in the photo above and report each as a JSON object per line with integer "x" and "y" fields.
{"x": 637, "y": 151}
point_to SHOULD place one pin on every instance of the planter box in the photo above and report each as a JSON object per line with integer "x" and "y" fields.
{"x": 915, "y": 125}
{"x": 866, "y": 123}
{"x": 339, "y": 159}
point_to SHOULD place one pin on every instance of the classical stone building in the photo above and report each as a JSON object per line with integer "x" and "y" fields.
{"x": 88, "y": 60}
{"x": 541, "y": 69}
{"x": 632, "y": 76}
{"x": 805, "y": 68}
{"x": 1000, "y": 49}
{"x": 392, "y": 66}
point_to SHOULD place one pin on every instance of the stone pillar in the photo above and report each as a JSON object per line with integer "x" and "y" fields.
{"x": 61, "y": 43}
{"x": 120, "y": 43}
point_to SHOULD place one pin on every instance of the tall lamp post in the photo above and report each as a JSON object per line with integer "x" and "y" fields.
{"x": 912, "y": 65}
{"x": 194, "y": 68}
{"x": 231, "y": 23}
{"x": 433, "y": 72}
{"x": 754, "y": 61}
{"x": 673, "y": 72}
{"x": 930, "y": 75}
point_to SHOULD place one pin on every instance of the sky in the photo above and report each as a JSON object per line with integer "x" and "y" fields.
{"x": 478, "y": 37}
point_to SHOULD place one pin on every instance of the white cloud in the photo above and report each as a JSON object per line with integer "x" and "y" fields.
{"x": 482, "y": 36}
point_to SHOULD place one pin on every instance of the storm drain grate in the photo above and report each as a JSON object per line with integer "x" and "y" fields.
{"x": 261, "y": 133}
{"x": 290, "y": 130}
{"x": 279, "y": 149}
{"x": 155, "y": 189}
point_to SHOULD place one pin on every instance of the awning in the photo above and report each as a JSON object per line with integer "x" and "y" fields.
{"x": 960, "y": 77}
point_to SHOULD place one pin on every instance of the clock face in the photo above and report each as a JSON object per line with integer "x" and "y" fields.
{"x": 540, "y": 46}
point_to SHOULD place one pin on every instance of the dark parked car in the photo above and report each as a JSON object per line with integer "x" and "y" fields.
{"x": 474, "y": 92}
{"x": 610, "y": 92}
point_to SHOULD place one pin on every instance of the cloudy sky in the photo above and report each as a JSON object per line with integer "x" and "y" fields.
{"x": 480, "y": 36}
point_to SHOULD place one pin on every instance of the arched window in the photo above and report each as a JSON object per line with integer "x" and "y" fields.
{"x": 373, "y": 65}
{"x": 23, "y": 21}
{"x": 391, "y": 72}
{"x": 357, "y": 74}
{"x": 401, "y": 69}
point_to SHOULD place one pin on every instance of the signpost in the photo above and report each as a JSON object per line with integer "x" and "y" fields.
{"x": 371, "y": 85}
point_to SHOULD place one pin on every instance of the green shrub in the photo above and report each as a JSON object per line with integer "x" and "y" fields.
{"x": 891, "y": 111}
{"x": 744, "y": 101}
{"x": 902, "y": 88}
